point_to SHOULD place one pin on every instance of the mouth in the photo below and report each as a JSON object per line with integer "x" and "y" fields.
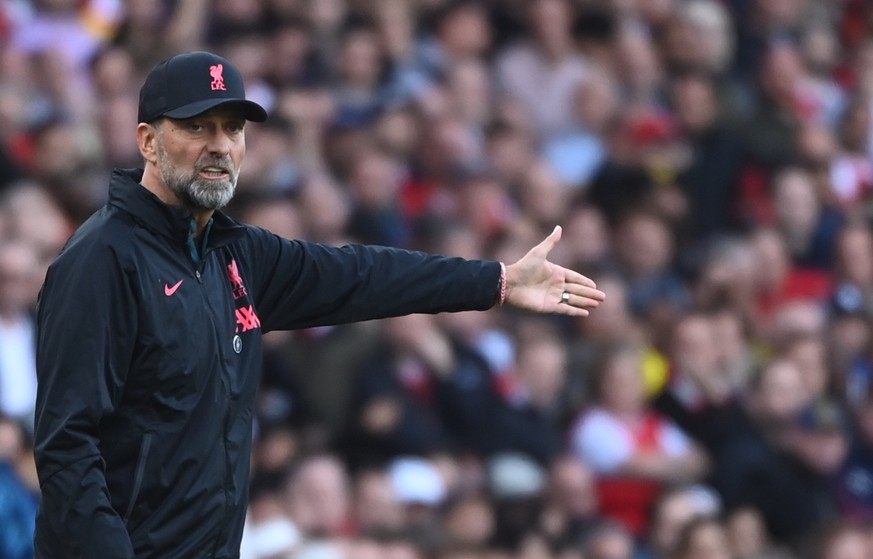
{"x": 214, "y": 173}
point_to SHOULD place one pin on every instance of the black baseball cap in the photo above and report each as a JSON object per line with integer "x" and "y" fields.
{"x": 189, "y": 84}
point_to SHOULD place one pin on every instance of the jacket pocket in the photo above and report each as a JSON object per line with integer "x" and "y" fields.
{"x": 139, "y": 473}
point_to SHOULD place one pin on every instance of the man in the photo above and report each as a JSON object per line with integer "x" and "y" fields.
{"x": 150, "y": 323}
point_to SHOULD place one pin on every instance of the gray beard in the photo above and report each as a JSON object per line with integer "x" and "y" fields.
{"x": 194, "y": 192}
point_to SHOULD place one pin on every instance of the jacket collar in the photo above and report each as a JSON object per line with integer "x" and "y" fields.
{"x": 173, "y": 222}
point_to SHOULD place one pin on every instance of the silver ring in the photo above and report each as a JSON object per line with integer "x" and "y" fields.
{"x": 565, "y": 297}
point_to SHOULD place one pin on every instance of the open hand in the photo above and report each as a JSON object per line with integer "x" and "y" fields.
{"x": 535, "y": 284}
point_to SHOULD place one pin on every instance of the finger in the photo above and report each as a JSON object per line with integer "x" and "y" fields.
{"x": 585, "y": 291}
{"x": 568, "y": 310}
{"x": 549, "y": 242}
{"x": 581, "y": 302}
{"x": 571, "y": 276}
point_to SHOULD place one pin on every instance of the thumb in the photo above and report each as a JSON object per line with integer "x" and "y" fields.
{"x": 545, "y": 247}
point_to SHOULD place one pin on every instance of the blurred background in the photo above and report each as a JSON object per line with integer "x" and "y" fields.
{"x": 711, "y": 163}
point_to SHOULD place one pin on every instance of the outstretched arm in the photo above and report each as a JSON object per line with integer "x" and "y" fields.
{"x": 535, "y": 284}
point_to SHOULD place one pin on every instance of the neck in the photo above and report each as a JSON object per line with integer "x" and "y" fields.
{"x": 151, "y": 181}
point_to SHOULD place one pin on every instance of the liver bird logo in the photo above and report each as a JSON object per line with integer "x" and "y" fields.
{"x": 217, "y": 73}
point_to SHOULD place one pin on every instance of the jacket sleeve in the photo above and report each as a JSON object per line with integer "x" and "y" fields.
{"x": 301, "y": 284}
{"x": 86, "y": 324}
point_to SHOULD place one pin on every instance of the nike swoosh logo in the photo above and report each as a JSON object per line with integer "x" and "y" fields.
{"x": 170, "y": 290}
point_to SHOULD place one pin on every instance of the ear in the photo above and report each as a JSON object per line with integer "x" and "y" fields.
{"x": 146, "y": 139}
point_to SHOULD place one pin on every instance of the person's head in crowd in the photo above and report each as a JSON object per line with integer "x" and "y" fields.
{"x": 237, "y": 17}
{"x": 699, "y": 37}
{"x": 542, "y": 197}
{"x": 820, "y": 48}
{"x": 30, "y": 214}
{"x": 516, "y": 484}
{"x": 120, "y": 148}
{"x": 462, "y": 30}
{"x": 375, "y": 180}
{"x": 862, "y": 66}
{"x": 485, "y": 204}
{"x": 854, "y": 256}
{"x": 16, "y": 450}
{"x": 771, "y": 260}
{"x": 694, "y": 354}
{"x": 863, "y": 415}
{"x": 797, "y": 208}
{"x": 324, "y": 207}
{"x": 695, "y": 103}
{"x": 816, "y": 148}
{"x": 609, "y": 540}
{"x": 317, "y": 495}
{"x": 781, "y": 73}
{"x": 67, "y": 161}
{"x": 61, "y": 149}
{"x": 572, "y": 492}
{"x": 13, "y": 439}
{"x": 291, "y": 48}
{"x": 269, "y": 532}
{"x": 112, "y": 73}
{"x": 447, "y": 147}
{"x": 419, "y": 487}
{"x": 362, "y": 64}
{"x": 397, "y": 131}
{"x": 734, "y": 350}
{"x": 849, "y": 334}
{"x": 748, "y": 533}
{"x": 278, "y": 444}
{"x": 550, "y": 24}
{"x": 613, "y": 321}
{"x": 821, "y": 436}
{"x": 726, "y": 276}
{"x": 325, "y": 16}
{"x": 278, "y": 214}
{"x": 704, "y": 538}
{"x": 639, "y": 69}
{"x": 808, "y": 352}
{"x": 19, "y": 267}
{"x": 782, "y": 15}
{"x": 854, "y": 128}
{"x": 541, "y": 366}
{"x": 620, "y": 382}
{"x": 586, "y": 239}
{"x": 510, "y": 151}
{"x": 469, "y": 91}
{"x": 376, "y": 508}
{"x": 655, "y": 13}
{"x": 596, "y": 101}
{"x": 395, "y": 20}
{"x": 643, "y": 244}
{"x": 468, "y": 521}
{"x": 795, "y": 319}
{"x": 844, "y": 541}
{"x": 674, "y": 509}
{"x": 777, "y": 395}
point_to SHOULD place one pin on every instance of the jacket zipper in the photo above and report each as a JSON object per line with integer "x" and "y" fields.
{"x": 226, "y": 385}
{"x": 138, "y": 474}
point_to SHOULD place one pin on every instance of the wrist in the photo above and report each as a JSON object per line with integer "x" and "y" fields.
{"x": 502, "y": 294}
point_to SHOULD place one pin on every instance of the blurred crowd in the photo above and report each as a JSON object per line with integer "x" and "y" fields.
{"x": 711, "y": 162}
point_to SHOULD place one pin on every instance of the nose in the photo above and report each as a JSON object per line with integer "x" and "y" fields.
{"x": 219, "y": 142}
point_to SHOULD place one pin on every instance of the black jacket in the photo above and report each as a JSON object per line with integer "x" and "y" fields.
{"x": 148, "y": 364}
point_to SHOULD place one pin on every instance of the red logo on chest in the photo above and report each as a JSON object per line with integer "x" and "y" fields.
{"x": 246, "y": 318}
{"x": 236, "y": 281}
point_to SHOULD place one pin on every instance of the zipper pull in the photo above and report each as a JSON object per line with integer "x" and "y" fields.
{"x": 197, "y": 275}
